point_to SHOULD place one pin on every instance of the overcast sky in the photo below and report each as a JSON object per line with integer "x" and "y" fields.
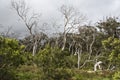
{"x": 94, "y": 10}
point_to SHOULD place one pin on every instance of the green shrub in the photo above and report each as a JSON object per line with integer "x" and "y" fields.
{"x": 116, "y": 76}
{"x": 7, "y": 74}
{"x": 54, "y": 63}
{"x": 27, "y": 72}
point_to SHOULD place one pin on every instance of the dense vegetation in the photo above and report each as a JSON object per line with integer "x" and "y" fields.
{"x": 53, "y": 63}
{"x": 79, "y": 52}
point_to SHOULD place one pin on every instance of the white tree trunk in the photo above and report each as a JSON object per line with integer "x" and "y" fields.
{"x": 78, "y": 59}
{"x": 97, "y": 65}
{"x": 34, "y": 48}
{"x": 79, "y": 51}
{"x": 64, "y": 42}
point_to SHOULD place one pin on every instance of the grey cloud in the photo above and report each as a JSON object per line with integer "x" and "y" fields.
{"x": 93, "y": 9}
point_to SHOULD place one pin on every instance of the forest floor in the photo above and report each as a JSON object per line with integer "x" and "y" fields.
{"x": 91, "y": 75}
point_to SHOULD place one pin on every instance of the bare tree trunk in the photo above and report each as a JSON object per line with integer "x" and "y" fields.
{"x": 64, "y": 42}
{"x": 90, "y": 53}
{"x": 34, "y": 48}
{"x": 70, "y": 45}
{"x": 56, "y": 42}
{"x": 97, "y": 65}
{"x": 79, "y": 57}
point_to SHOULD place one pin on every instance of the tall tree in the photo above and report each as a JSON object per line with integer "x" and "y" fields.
{"x": 87, "y": 37}
{"x": 109, "y": 26}
{"x": 30, "y": 20}
{"x": 72, "y": 20}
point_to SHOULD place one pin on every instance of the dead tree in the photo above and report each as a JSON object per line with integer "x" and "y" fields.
{"x": 72, "y": 20}
{"x": 87, "y": 35}
{"x": 77, "y": 48}
{"x": 9, "y": 32}
{"x": 30, "y": 20}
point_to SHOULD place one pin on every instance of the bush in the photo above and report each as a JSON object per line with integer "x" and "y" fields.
{"x": 63, "y": 74}
{"x": 11, "y": 57}
{"x": 53, "y": 63}
{"x": 7, "y": 74}
{"x": 28, "y": 72}
{"x": 116, "y": 76}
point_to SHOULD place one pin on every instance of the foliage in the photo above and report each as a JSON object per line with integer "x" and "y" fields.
{"x": 50, "y": 62}
{"x": 112, "y": 50}
{"x": 7, "y": 73}
{"x": 53, "y": 63}
{"x": 116, "y": 76}
{"x": 89, "y": 43}
{"x": 11, "y": 56}
{"x": 109, "y": 26}
{"x": 27, "y": 72}
{"x": 11, "y": 52}
{"x": 91, "y": 75}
